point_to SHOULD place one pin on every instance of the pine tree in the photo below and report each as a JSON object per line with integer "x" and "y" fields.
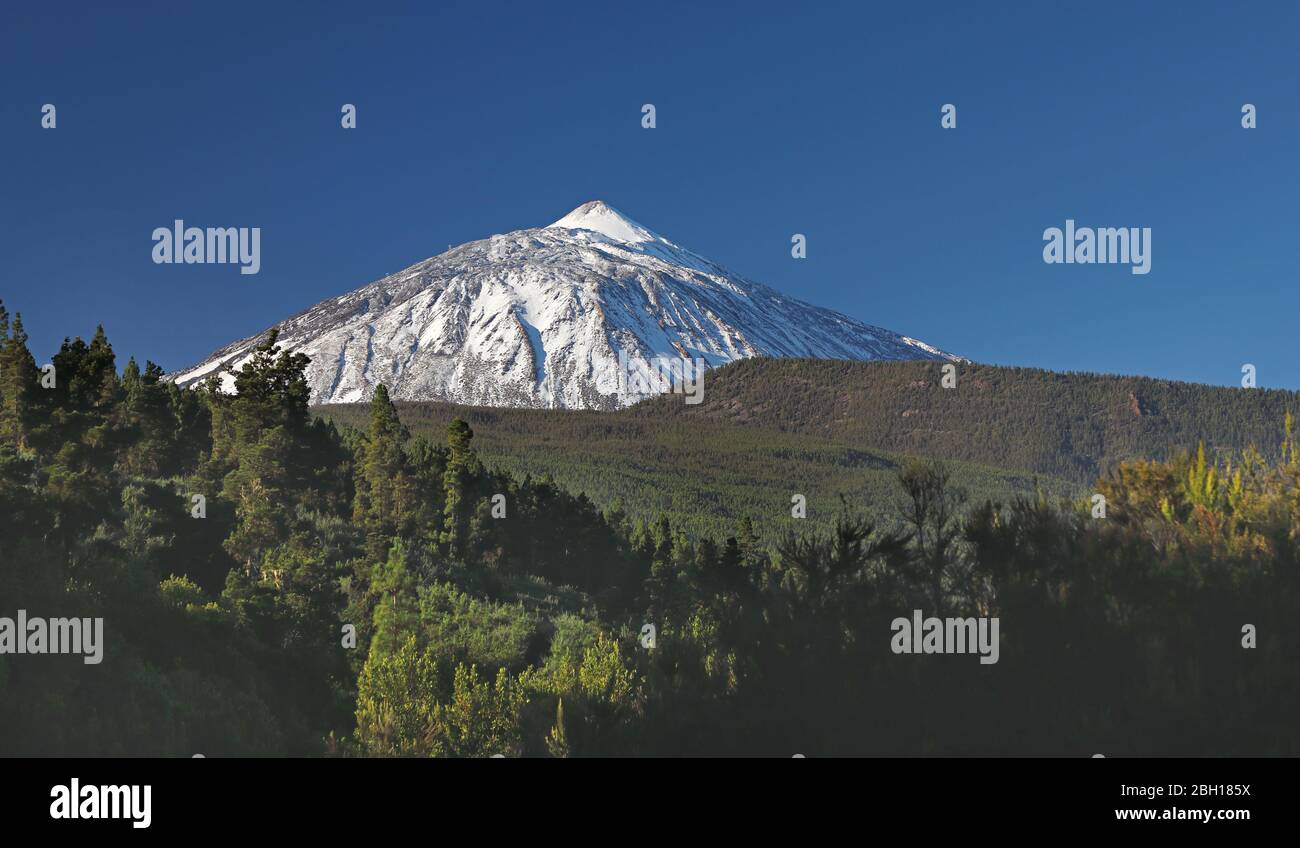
{"x": 148, "y": 420}
{"x": 19, "y": 387}
{"x": 459, "y": 487}
{"x": 271, "y": 391}
{"x": 386, "y": 501}
{"x": 260, "y": 526}
{"x": 397, "y": 614}
{"x": 264, "y": 433}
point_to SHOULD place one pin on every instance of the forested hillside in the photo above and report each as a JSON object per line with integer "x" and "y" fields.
{"x": 1068, "y": 425}
{"x": 272, "y": 583}
{"x": 704, "y": 475}
{"x": 772, "y": 428}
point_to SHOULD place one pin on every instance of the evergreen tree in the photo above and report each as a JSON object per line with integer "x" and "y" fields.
{"x": 20, "y": 402}
{"x": 148, "y": 418}
{"x": 386, "y": 501}
{"x": 397, "y": 613}
{"x": 460, "y": 487}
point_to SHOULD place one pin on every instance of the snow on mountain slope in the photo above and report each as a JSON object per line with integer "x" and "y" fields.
{"x": 553, "y": 317}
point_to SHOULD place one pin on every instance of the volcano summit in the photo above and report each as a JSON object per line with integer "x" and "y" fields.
{"x": 553, "y": 317}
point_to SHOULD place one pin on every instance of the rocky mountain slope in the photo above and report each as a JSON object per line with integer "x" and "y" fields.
{"x": 592, "y": 312}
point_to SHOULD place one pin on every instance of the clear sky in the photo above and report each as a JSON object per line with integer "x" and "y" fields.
{"x": 773, "y": 119}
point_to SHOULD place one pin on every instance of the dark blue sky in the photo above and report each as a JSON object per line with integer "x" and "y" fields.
{"x": 480, "y": 118}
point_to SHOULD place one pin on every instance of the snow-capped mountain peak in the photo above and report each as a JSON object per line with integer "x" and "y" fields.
{"x": 598, "y": 216}
{"x": 588, "y": 313}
